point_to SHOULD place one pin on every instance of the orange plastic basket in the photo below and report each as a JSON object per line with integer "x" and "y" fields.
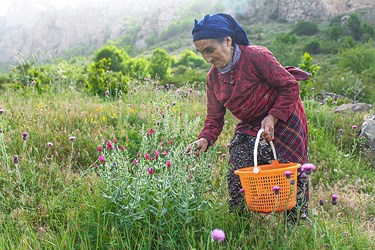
{"x": 258, "y": 187}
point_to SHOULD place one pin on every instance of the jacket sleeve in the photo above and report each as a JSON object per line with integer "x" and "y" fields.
{"x": 214, "y": 122}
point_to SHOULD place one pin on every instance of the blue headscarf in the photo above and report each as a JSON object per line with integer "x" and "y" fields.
{"x": 217, "y": 26}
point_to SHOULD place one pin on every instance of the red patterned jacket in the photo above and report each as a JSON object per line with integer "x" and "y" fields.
{"x": 257, "y": 86}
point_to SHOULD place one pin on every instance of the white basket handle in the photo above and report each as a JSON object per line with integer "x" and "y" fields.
{"x": 256, "y": 169}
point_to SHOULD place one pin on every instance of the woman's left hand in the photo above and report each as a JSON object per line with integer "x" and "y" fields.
{"x": 268, "y": 124}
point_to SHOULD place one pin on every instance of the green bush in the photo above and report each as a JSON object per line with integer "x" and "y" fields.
{"x": 357, "y": 59}
{"x": 313, "y": 47}
{"x": 306, "y": 28}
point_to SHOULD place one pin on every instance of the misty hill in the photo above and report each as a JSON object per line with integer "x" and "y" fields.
{"x": 36, "y": 28}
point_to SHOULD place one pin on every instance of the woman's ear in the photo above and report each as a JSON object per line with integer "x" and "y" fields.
{"x": 229, "y": 41}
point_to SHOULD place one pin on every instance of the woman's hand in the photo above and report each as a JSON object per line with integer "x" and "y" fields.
{"x": 268, "y": 124}
{"x": 199, "y": 145}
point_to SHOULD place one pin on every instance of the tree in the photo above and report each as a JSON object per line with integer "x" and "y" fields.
{"x": 114, "y": 54}
{"x": 160, "y": 64}
{"x": 354, "y": 25}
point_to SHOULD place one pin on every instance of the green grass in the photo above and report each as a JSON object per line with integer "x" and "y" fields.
{"x": 54, "y": 197}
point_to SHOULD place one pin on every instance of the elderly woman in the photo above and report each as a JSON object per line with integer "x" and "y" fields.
{"x": 249, "y": 82}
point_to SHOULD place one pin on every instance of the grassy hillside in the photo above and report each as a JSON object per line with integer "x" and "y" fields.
{"x": 92, "y": 150}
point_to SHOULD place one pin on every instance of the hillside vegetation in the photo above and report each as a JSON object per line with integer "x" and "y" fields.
{"x": 92, "y": 148}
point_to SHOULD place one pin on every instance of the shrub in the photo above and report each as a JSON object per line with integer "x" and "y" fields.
{"x": 313, "y": 47}
{"x": 357, "y": 59}
{"x": 306, "y": 28}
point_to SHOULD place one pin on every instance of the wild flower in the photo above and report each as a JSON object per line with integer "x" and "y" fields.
{"x": 354, "y": 127}
{"x": 334, "y": 199}
{"x": 242, "y": 190}
{"x": 173, "y": 103}
{"x": 156, "y": 153}
{"x": 147, "y": 156}
{"x": 101, "y": 158}
{"x": 109, "y": 145}
{"x": 72, "y": 138}
{"x": 170, "y": 142}
{"x": 288, "y": 174}
{"x": 49, "y": 144}
{"x": 308, "y": 168}
{"x": 24, "y": 135}
{"x": 135, "y": 161}
{"x": 100, "y": 149}
{"x": 169, "y": 163}
{"x": 341, "y": 131}
{"x": 165, "y": 153}
{"x": 1, "y": 131}
{"x": 2, "y": 111}
{"x": 115, "y": 141}
{"x": 150, "y": 132}
{"x": 122, "y": 148}
{"x": 276, "y": 189}
{"x": 224, "y": 156}
{"x": 15, "y": 159}
{"x": 139, "y": 154}
{"x": 292, "y": 182}
{"x": 218, "y": 235}
{"x": 150, "y": 170}
{"x": 321, "y": 202}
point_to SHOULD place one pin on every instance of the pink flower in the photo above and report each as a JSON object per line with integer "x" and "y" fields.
{"x": 139, "y": 154}
{"x": 114, "y": 140}
{"x": 109, "y": 145}
{"x": 72, "y": 138}
{"x": 49, "y": 144}
{"x": 101, "y": 158}
{"x": 135, "y": 161}
{"x": 218, "y": 235}
{"x": 165, "y": 153}
{"x": 150, "y": 132}
{"x": 242, "y": 190}
{"x": 169, "y": 163}
{"x": 288, "y": 174}
{"x": 122, "y": 148}
{"x": 147, "y": 156}
{"x": 276, "y": 189}
{"x": 354, "y": 127}
{"x": 170, "y": 142}
{"x": 2, "y": 111}
{"x": 99, "y": 149}
{"x": 224, "y": 156}
{"x": 156, "y": 153}
{"x": 308, "y": 168}
{"x": 150, "y": 170}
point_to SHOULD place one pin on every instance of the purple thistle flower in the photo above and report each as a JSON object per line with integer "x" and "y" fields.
{"x": 156, "y": 153}
{"x": 2, "y": 111}
{"x": 341, "y": 131}
{"x": 218, "y": 235}
{"x": 242, "y": 190}
{"x": 24, "y": 135}
{"x": 334, "y": 199}
{"x": 72, "y": 138}
{"x": 321, "y": 202}
{"x": 15, "y": 159}
{"x": 276, "y": 189}
{"x": 354, "y": 127}
{"x": 49, "y": 144}
{"x": 288, "y": 174}
{"x": 224, "y": 156}
{"x": 308, "y": 168}
{"x": 101, "y": 158}
{"x": 150, "y": 170}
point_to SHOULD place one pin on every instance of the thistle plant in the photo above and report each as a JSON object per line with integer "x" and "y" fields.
{"x": 160, "y": 187}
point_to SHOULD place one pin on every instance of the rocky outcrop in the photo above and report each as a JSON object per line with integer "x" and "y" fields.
{"x": 293, "y": 10}
{"x": 368, "y": 132}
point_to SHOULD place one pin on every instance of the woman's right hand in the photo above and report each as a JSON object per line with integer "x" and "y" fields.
{"x": 199, "y": 145}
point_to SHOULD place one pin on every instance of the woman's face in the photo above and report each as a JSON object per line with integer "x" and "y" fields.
{"x": 217, "y": 53}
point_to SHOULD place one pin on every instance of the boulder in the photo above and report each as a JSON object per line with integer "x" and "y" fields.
{"x": 368, "y": 132}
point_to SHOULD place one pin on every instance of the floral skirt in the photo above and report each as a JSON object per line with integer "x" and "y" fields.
{"x": 241, "y": 152}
